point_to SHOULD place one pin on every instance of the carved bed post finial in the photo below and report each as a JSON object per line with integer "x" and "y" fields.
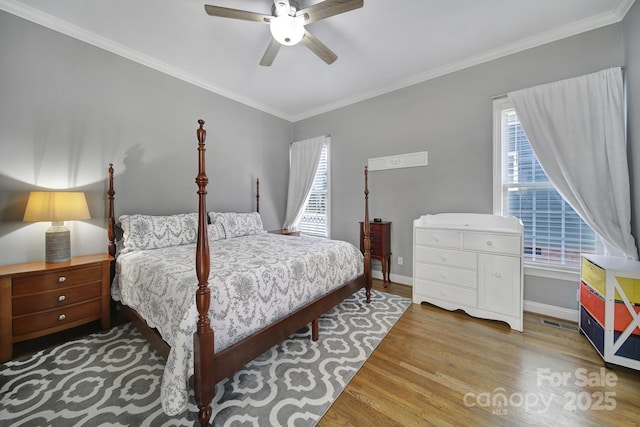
{"x": 258, "y": 195}
{"x": 203, "y": 338}
{"x": 367, "y": 238}
{"x": 111, "y": 223}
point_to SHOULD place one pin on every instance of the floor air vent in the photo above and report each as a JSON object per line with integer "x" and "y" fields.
{"x": 560, "y": 325}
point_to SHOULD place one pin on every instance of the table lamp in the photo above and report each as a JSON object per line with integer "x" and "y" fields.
{"x": 57, "y": 207}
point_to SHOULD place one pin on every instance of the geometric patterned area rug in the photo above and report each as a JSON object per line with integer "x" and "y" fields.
{"x": 112, "y": 378}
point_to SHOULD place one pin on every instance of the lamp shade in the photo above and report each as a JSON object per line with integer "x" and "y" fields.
{"x": 56, "y": 206}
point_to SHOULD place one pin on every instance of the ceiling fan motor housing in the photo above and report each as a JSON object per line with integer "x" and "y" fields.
{"x": 281, "y": 6}
{"x": 286, "y": 27}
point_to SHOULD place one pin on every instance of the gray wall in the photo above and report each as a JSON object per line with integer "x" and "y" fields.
{"x": 451, "y": 118}
{"x": 631, "y": 25}
{"x": 68, "y": 109}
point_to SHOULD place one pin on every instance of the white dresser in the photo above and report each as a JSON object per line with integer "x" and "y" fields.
{"x": 471, "y": 262}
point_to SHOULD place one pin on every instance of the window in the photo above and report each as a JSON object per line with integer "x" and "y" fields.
{"x": 315, "y": 218}
{"x": 554, "y": 234}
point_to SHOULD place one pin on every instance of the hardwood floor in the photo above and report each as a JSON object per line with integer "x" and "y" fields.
{"x": 446, "y": 368}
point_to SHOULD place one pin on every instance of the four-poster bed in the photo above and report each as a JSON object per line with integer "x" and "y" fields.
{"x": 210, "y": 365}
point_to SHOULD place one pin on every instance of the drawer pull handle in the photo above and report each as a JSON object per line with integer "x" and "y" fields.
{"x": 436, "y": 239}
{"x": 498, "y": 275}
{"x": 62, "y": 298}
{"x": 444, "y": 258}
{"x": 62, "y": 279}
{"x": 443, "y": 275}
{"x": 444, "y": 294}
{"x": 62, "y": 317}
{"x": 489, "y": 243}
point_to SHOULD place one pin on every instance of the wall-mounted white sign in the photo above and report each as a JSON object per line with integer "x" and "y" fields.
{"x": 400, "y": 161}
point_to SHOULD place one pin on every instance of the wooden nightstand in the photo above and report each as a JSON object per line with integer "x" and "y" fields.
{"x": 380, "y": 245}
{"x": 285, "y": 232}
{"x": 38, "y": 299}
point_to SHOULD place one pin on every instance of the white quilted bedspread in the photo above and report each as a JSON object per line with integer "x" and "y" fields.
{"x": 254, "y": 281}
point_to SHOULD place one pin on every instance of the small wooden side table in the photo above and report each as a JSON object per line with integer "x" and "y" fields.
{"x": 380, "y": 245}
{"x": 38, "y": 299}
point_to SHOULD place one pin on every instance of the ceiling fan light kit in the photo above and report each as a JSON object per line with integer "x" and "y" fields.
{"x": 287, "y": 24}
{"x": 287, "y": 30}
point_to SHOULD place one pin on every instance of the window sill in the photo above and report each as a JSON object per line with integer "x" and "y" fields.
{"x": 571, "y": 274}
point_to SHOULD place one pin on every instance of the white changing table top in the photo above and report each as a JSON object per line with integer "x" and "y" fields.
{"x": 470, "y": 221}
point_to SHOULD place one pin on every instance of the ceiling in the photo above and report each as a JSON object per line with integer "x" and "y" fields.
{"x": 381, "y": 47}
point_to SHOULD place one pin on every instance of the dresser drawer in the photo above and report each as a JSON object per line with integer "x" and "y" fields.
{"x": 446, "y": 275}
{"x": 446, "y": 257}
{"x": 593, "y": 275}
{"x": 631, "y": 288}
{"x": 592, "y": 330}
{"x": 494, "y": 243}
{"x": 595, "y": 306}
{"x": 56, "y": 318}
{"x": 427, "y": 289}
{"x": 55, "y": 280}
{"x": 52, "y": 299}
{"x": 440, "y": 238}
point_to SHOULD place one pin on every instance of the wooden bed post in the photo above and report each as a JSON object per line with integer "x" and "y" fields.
{"x": 367, "y": 238}
{"x": 111, "y": 223}
{"x": 258, "y": 195}
{"x": 204, "y": 384}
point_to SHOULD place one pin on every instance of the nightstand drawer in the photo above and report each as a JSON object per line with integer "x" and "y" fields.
{"x": 56, "y": 318}
{"x": 53, "y": 299}
{"x": 56, "y": 279}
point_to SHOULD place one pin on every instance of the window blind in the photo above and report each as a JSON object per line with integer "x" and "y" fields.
{"x": 314, "y": 218}
{"x": 553, "y": 232}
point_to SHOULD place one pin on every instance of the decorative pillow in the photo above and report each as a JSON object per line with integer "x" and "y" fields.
{"x": 142, "y": 232}
{"x": 216, "y": 232}
{"x": 238, "y": 224}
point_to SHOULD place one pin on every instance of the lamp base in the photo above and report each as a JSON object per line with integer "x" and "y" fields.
{"x": 57, "y": 243}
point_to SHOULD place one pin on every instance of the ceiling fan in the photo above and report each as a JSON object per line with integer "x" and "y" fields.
{"x": 287, "y": 23}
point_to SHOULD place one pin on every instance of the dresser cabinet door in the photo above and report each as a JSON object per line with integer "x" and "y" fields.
{"x": 498, "y": 288}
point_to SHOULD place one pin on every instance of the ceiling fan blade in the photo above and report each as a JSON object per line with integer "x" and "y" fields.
{"x": 270, "y": 53}
{"x": 225, "y": 12}
{"x": 329, "y": 8}
{"x": 317, "y": 47}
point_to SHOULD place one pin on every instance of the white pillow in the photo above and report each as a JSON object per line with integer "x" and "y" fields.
{"x": 238, "y": 224}
{"x": 216, "y": 232}
{"x": 141, "y": 232}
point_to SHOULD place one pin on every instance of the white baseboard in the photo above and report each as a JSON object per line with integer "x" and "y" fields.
{"x": 395, "y": 278}
{"x": 551, "y": 311}
{"x": 530, "y": 306}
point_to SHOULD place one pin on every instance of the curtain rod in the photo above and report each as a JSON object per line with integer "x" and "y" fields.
{"x": 326, "y": 135}
{"x": 504, "y": 95}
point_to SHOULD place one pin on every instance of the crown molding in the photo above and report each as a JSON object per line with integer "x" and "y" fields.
{"x": 623, "y": 8}
{"x": 71, "y": 30}
{"x": 573, "y": 29}
{"x": 64, "y": 27}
